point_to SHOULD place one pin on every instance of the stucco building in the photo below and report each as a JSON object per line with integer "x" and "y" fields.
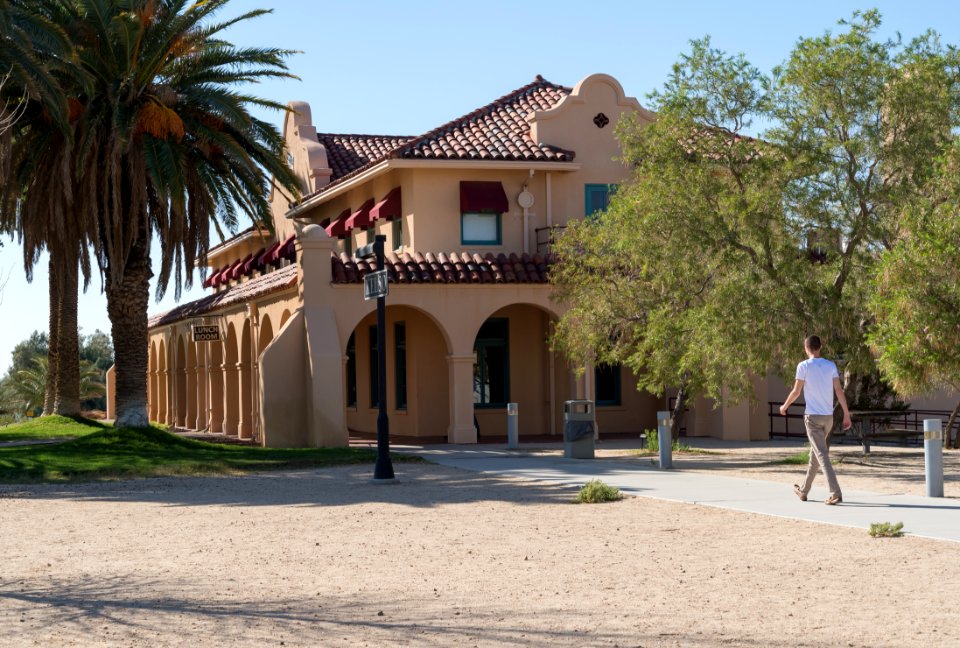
{"x": 469, "y": 210}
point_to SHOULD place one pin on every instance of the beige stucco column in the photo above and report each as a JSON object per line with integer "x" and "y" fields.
{"x": 461, "y": 428}
{"x": 215, "y": 391}
{"x": 112, "y": 393}
{"x": 201, "y": 386}
{"x": 326, "y": 413}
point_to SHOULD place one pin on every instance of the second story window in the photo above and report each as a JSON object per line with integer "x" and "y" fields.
{"x": 481, "y": 207}
{"x": 597, "y": 198}
{"x": 479, "y": 228}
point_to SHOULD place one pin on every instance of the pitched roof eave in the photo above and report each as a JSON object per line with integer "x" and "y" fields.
{"x": 332, "y": 191}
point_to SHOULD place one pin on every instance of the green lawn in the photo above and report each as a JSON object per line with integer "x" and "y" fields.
{"x": 49, "y": 427}
{"x": 110, "y": 453}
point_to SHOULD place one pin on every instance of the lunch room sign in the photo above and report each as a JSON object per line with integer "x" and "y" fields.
{"x": 204, "y": 333}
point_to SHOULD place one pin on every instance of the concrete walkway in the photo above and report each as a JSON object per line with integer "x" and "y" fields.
{"x": 937, "y": 518}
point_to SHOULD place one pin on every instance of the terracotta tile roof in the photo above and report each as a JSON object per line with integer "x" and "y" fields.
{"x": 347, "y": 153}
{"x": 497, "y": 131}
{"x": 441, "y": 268}
{"x": 243, "y": 292}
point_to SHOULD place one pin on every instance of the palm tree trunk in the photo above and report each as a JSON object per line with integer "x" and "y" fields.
{"x": 127, "y": 302}
{"x": 53, "y": 337}
{"x": 67, "y": 396}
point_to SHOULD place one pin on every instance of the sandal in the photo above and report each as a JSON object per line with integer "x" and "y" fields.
{"x": 799, "y": 493}
{"x": 833, "y": 499}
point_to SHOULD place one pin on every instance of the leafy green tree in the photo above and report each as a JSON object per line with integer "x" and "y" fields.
{"x": 26, "y": 351}
{"x": 723, "y": 251}
{"x": 916, "y": 303}
{"x": 163, "y": 144}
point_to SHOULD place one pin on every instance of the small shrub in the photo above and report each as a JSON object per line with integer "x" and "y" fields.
{"x": 886, "y": 530}
{"x": 595, "y": 491}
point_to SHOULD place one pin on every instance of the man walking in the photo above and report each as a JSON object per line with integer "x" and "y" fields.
{"x": 819, "y": 380}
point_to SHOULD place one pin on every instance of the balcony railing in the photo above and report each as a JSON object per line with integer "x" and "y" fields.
{"x": 546, "y": 237}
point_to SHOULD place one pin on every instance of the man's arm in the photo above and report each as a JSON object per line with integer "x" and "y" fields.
{"x": 794, "y": 395}
{"x": 842, "y": 399}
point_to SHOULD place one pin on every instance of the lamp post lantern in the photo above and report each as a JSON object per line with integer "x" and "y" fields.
{"x": 375, "y": 286}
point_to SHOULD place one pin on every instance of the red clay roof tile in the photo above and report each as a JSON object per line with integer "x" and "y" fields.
{"x": 497, "y": 131}
{"x": 442, "y": 268}
{"x": 243, "y": 292}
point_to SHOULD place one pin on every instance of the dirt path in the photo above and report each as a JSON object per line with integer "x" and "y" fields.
{"x": 443, "y": 558}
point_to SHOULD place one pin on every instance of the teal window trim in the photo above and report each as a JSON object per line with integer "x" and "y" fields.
{"x": 400, "y": 364}
{"x": 498, "y": 241}
{"x": 484, "y": 342}
{"x": 374, "y": 370}
{"x": 612, "y": 397}
{"x": 348, "y": 245}
{"x": 352, "y": 370}
{"x": 596, "y": 198}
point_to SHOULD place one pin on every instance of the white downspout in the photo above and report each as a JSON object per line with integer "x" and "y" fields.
{"x": 526, "y": 231}
{"x": 549, "y": 200}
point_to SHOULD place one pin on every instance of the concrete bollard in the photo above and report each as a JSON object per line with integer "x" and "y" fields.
{"x": 933, "y": 456}
{"x": 513, "y": 426}
{"x": 665, "y": 439}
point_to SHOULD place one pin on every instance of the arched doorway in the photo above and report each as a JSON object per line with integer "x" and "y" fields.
{"x": 180, "y": 385}
{"x": 245, "y": 426}
{"x": 191, "y": 404}
{"x": 513, "y": 364}
{"x": 152, "y": 395}
{"x": 162, "y": 383}
{"x": 215, "y": 386}
{"x": 417, "y": 384}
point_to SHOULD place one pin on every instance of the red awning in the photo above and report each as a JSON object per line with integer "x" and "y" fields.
{"x": 361, "y": 217}
{"x": 483, "y": 197}
{"x": 277, "y": 254}
{"x": 388, "y": 208}
{"x": 267, "y": 255}
{"x": 251, "y": 265}
{"x": 288, "y": 250}
{"x": 236, "y": 271}
{"x": 337, "y": 227}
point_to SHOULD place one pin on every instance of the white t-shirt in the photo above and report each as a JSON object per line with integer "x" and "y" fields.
{"x": 817, "y": 375}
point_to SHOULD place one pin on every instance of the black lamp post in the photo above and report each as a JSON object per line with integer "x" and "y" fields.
{"x": 375, "y": 285}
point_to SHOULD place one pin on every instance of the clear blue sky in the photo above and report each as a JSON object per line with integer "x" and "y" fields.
{"x": 403, "y": 68}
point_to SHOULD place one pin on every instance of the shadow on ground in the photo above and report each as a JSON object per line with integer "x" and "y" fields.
{"x": 340, "y": 486}
{"x": 125, "y": 610}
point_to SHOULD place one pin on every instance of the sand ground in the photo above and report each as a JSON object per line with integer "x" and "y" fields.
{"x": 446, "y": 558}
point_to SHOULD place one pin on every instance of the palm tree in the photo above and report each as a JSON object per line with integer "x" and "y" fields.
{"x": 34, "y": 143}
{"x": 28, "y": 387}
{"x": 165, "y": 145}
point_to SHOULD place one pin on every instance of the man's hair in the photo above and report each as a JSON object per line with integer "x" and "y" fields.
{"x": 813, "y": 343}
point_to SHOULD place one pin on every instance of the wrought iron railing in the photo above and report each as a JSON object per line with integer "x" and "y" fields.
{"x": 546, "y": 237}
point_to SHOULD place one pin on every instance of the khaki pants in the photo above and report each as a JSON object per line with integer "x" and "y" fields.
{"x": 817, "y": 428}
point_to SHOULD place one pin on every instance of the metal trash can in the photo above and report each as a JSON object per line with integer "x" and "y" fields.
{"x": 579, "y": 426}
